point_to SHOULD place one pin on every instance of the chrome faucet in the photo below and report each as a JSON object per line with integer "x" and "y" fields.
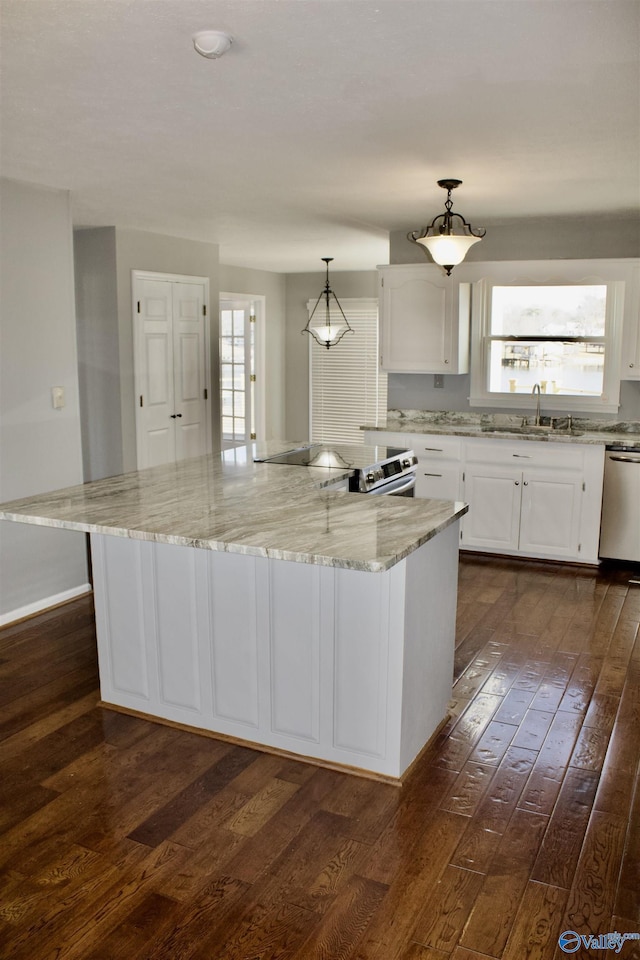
{"x": 536, "y": 390}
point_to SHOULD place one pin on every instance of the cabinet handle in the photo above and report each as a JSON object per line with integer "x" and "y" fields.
{"x": 517, "y": 483}
{"x": 433, "y": 450}
{"x": 526, "y": 483}
{"x": 431, "y": 474}
{"x": 522, "y": 456}
{"x": 174, "y": 415}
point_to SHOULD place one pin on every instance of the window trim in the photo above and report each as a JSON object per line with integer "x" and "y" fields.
{"x": 550, "y": 273}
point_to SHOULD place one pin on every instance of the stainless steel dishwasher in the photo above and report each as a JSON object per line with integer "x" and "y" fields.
{"x": 620, "y": 527}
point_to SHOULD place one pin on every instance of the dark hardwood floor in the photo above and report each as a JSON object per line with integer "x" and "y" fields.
{"x": 122, "y": 839}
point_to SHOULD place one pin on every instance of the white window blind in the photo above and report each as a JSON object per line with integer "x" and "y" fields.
{"x": 347, "y": 388}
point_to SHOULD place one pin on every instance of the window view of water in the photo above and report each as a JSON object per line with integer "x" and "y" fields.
{"x": 573, "y": 368}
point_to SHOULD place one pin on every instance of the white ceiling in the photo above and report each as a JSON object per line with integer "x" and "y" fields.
{"x": 328, "y": 122}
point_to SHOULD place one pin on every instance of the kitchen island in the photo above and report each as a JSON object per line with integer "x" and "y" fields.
{"x": 256, "y": 602}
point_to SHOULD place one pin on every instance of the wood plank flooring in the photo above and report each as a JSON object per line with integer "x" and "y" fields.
{"x": 121, "y": 839}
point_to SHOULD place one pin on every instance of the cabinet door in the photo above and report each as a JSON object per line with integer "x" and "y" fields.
{"x": 440, "y": 481}
{"x": 419, "y": 321}
{"x": 550, "y": 516}
{"x": 494, "y": 497}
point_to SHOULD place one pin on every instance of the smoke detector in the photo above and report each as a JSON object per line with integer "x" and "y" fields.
{"x": 212, "y": 43}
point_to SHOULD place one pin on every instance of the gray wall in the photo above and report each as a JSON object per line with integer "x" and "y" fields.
{"x": 40, "y": 447}
{"x": 272, "y": 286}
{"x": 105, "y": 257}
{"x": 553, "y": 239}
{"x": 570, "y": 238}
{"x": 302, "y": 287}
{"x": 98, "y": 351}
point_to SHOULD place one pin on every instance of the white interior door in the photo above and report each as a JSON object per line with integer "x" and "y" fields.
{"x": 171, "y": 368}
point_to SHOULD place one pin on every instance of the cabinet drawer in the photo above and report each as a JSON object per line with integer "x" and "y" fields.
{"x": 425, "y": 446}
{"x": 529, "y": 453}
{"x": 440, "y": 481}
{"x": 432, "y": 448}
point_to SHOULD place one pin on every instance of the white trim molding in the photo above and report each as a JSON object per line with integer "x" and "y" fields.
{"x": 621, "y": 279}
{"x": 46, "y": 603}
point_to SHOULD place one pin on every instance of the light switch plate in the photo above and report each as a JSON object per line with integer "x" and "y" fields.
{"x": 57, "y": 397}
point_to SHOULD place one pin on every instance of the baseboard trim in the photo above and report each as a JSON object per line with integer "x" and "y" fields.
{"x": 260, "y": 747}
{"x": 47, "y": 603}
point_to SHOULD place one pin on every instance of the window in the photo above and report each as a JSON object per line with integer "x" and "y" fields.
{"x": 562, "y": 333}
{"x": 554, "y": 336}
{"x": 347, "y": 388}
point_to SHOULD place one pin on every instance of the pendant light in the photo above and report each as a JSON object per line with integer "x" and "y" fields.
{"x": 325, "y": 330}
{"x": 448, "y": 248}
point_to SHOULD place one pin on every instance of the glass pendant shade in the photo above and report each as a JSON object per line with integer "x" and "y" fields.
{"x": 325, "y": 329}
{"x": 448, "y": 237}
{"x": 448, "y": 250}
{"x": 327, "y": 334}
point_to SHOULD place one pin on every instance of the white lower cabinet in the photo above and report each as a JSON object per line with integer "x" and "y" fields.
{"x": 532, "y": 498}
{"x": 532, "y": 512}
{"x": 536, "y": 499}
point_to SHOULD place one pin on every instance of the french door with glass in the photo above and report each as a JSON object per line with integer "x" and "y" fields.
{"x": 238, "y": 371}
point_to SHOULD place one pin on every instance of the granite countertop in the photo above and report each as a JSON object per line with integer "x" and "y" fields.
{"x": 224, "y": 501}
{"x": 509, "y": 427}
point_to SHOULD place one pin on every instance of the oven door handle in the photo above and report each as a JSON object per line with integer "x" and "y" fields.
{"x": 395, "y": 486}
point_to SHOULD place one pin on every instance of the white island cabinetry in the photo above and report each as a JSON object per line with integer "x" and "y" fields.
{"x": 252, "y": 601}
{"x": 424, "y": 320}
{"x": 342, "y": 666}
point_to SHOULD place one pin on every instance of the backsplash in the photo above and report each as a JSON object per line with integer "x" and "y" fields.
{"x": 452, "y": 417}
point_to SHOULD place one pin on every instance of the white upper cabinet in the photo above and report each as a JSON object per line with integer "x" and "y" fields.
{"x": 424, "y": 320}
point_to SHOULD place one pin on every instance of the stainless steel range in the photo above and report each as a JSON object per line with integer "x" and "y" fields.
{"x": 392, "y": 472}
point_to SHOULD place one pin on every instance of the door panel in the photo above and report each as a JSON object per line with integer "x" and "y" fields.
{"x": 188, "y": 384}
{"x": 159, "y": 387}
{"x": 159, "y": 446}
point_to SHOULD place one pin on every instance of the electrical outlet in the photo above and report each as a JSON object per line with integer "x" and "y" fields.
{"x": 438, "y": 380}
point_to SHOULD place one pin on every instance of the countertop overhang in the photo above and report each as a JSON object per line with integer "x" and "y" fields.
{"x": 226, "y": 502}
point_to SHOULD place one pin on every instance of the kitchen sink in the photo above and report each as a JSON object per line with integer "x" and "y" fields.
{"x": 530, "y": 429}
